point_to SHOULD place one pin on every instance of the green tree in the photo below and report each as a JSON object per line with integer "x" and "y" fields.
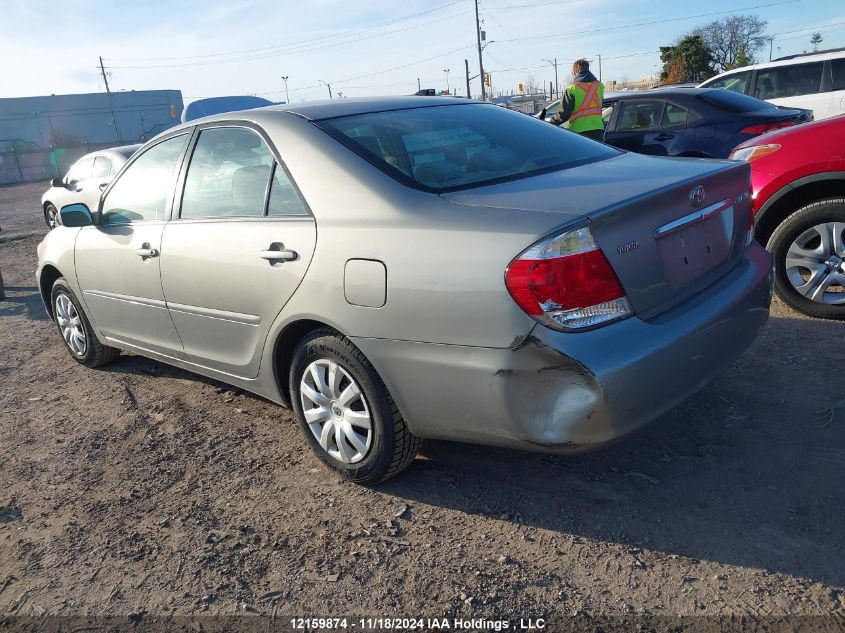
{"x": 731, "y": 36}
{"x": 741, "y": 59}
{"x": 688, "y": 60}
{"x": 815, "y": 40}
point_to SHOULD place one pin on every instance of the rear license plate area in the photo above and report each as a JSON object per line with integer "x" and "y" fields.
{"x": 694, "y": 245}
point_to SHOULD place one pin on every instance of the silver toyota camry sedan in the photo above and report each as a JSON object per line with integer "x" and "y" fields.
{"x": 406, "y": 268}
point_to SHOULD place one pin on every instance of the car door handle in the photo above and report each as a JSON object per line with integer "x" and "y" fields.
{"x": 103, "y": 186}
{"x": 664, "y": 137}
{"x": 146, "y": 252}
{"x": 279, "y": 254}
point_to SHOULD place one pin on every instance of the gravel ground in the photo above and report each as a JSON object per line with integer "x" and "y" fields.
{"x": 143, "y": 489}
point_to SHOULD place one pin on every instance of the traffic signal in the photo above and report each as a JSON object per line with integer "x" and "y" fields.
{"x": 521, "y": 87}
{"x": 487, "y": 81}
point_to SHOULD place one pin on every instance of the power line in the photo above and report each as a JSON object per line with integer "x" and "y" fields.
{"x": 652, "y": 22}
{"x": 309, "y": 40}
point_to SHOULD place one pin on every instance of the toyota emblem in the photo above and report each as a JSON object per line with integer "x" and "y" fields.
{"x": 696, "y": 196}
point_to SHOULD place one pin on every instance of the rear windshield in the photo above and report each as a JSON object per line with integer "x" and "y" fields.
{"x": 444, "y": 148}
{"x": 734, "y": 101}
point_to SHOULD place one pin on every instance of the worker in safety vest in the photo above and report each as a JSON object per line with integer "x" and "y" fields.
{"x": 580, "y": 107}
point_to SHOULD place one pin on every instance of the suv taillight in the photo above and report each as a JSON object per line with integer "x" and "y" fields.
{"x": 566, "y": 283}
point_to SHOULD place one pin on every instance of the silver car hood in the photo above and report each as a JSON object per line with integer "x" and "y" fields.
{"x": 591, "y": 187}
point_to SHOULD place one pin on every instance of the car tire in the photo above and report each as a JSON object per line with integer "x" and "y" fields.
{"x": 51, "y": 215}
{"x": 76, "y": 330}
{"x": 329, "y": 408}
{"x": 813, "y": 235}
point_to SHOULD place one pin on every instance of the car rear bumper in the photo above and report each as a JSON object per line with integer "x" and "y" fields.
{"x": 559, "y": 392}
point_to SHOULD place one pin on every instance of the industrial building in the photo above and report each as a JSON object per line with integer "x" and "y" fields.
{"x": 40, "y": 137}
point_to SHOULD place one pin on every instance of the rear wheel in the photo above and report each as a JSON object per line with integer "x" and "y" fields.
{"x": 345, "y": 411}
{"x": 809, "y": 252}
{"x": 76, "y": 330}
{"x": 51, "y": 215}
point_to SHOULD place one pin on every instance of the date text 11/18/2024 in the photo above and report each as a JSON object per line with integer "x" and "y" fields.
{"x": 418, "y": 624}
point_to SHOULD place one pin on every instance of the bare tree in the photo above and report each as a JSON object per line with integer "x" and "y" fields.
{"x": 732, "y": 37}
{"x": 530, "y": 85}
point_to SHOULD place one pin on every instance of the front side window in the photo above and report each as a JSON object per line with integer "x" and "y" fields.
{"x": 80, "y": 171}
{"x": 102, "y": 167}
{"x": 640, "y": 115}
{"x": 143, "y": 190}
{"x": 789, "y": 81}
{"x": 444, "y": 148}
{"x": 228, "y": 175}
{"x": 735, "y": 82}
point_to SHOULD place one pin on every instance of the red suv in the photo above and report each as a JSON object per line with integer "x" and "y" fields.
{"x": 798, "y": 184}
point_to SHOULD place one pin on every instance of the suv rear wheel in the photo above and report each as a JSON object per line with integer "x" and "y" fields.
{"x": 345, "y": 411}
{"x": 809, "y": 252}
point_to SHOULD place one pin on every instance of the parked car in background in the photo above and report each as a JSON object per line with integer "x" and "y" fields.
{"x": 84, "y": 181}
{"x": 690, "y": 122}
{"x": 471, "y": 274}
{"x": 798, "y": 182}
{"x": 815, "y": 81}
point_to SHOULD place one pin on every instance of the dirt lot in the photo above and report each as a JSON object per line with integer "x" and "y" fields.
{"x": 140, "y": 488}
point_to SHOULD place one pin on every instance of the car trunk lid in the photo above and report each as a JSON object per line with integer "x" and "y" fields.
{"x": 663, "y": 239}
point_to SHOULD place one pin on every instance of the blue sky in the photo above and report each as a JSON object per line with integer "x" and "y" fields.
{"x": 213, "y": 48}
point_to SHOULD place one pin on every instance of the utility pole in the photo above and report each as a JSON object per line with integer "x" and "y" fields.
{"x": 285, "y": 79}
{"x": 418, "y": 84}
{"x": 466, "y": 64}
{"x": 553, "y": 63}
{"x": 111, "y": 104}
{"x": 599, "y": 66}
{"x": 771, "y": 44}
{"x": 329, "y": 86}
{"x": 480, "y": 60}
{"x": 448, "y": 91}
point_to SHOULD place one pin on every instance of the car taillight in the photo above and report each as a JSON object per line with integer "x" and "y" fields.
{"x": 762, "y": 128}
{"x": 749, "y": 154}
{"x": 566, "y": 283}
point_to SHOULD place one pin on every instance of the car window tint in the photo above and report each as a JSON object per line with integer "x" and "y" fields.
{"x": 102, "y": 167}
{"x": 80, "y": 171}
{"x": 143, "y": 190}
{"x": 735, "y": 82}
{"x": 838, "y": 68}
{"x": 789, "y": 81}
{"x": 640, "y": 115}
{"x": 284, "y": 200}
{"x": 673, "y": 115}
{"x": 228, "y": 174}
{"x": 450, "y": 147}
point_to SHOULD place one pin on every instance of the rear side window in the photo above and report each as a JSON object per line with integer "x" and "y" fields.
{"x": 143, "y": 190}
{"x": 838, "y": 68}
{"x": 734, "y": 102}
{"x": 789, "y": 81}
{"x": 736, "y": 82}
{"x": 102, "y": 167}
{"x": 640, "y": 115}
{"x": 228, "y": 175}
{"x": 80, "y": 171}
{"x": 445, "y": 148}
{"x": 284, "y": 199}
{"x": 673, "y": 115}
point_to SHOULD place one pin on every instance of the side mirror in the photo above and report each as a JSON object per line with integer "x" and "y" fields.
{"x": 74, "y": 215}
{"x": 542, "y": 114}
{"x": 57, "y": 182}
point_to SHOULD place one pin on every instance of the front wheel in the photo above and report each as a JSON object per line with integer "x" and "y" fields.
{"x": 51, "y": 215}
{"x": 76, "y": 330}
{"x": 345, "y": 411}
{"x": 809, "y": 252}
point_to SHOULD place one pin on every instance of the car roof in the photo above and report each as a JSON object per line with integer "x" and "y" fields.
{"x": 332, "y": 108}
{"x": 663, "y": 93}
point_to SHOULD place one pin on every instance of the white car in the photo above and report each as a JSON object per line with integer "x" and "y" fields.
{"x": 815, "y": 81}
{"x": 84, "y": 181}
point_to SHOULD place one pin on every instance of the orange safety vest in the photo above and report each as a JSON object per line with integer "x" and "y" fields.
{"x": 586, "y": 114}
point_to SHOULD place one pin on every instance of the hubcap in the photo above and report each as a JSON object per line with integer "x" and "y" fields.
{"x": 814, "y": 263}
{"x": 336, "y": 411}
{"x": 51, "y": 217}
{"x": 70, "y": 325}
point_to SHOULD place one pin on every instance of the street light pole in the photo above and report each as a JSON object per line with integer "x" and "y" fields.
{"x": 285, "y": 79}
{"x": 328, "y": 85}
{"x": 554, "y": 63}
{"x": 448, "y": 91}
{"x": 466, "y": 65}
